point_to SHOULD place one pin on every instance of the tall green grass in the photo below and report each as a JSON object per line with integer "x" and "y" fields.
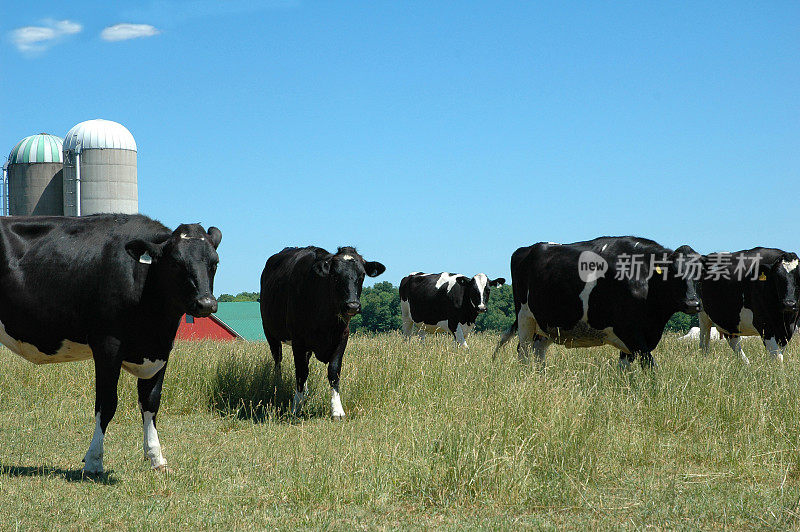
{"x": 435, "y": 437}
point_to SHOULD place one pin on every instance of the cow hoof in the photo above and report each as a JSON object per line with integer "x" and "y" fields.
{"x": 163, "y": 468}
{"x": 92, "y": 474}
{"x": 338, "y": 417}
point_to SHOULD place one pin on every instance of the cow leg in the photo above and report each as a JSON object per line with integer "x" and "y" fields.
{"x": 526, "y": 334}
{"x": 625, "y": 360}
{"x": 540, "y": 345}
{"x": 458, "y": 334}
{"x": 107, "y": 367}
{"x": 276, "y": 349}
{"x": 407, "y": 322}
{"x": 301, "y": 358}
{"x": 705, "y": 332}
{"x": 647, "y": 361}
{"x": 149, "y": 402}
{"x": 736, "y": 344}
{"x": 775, "y": 349}
{"x": 334, "y": 369}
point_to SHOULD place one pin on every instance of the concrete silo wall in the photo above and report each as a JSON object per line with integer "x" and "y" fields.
{"x": 108, "y": 182}
{"x": 35, "y": 189}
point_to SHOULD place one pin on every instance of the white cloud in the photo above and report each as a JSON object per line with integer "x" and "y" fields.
{"x": 34, "y": 39}
{"x": 125, "y": 31}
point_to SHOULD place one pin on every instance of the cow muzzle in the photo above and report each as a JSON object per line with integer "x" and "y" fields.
{"x": 352, "y": 308}
{"x": 692, "y": 306}
{"x": 203, "y": 307}
{"x": 790, "y": 306}
{"x": 482, "y": 309}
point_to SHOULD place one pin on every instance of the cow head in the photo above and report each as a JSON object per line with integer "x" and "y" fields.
{"x": 685, "y": 270}
{"x": 344, "y": 272}
{"x": 477, "y": 289}
{"x": 184, "y": 265}
{"x": 783, "y": 276}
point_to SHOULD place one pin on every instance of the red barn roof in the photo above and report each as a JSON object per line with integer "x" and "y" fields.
{"x": 210, "y": 328}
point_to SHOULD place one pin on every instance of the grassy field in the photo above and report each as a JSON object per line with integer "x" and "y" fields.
{"x": 435, "y": 437}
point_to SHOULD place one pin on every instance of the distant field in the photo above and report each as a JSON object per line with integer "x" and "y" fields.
{"x": 436, "y": 437}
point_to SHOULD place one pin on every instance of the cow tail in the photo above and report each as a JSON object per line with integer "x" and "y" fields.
{"x": 505, "y": 338}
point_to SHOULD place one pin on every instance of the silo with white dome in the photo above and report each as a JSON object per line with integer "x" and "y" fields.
{"x": 100, "y": 169}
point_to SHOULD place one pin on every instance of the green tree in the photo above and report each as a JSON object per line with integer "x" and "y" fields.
{"x": 500, "y": 310}
{"x": 241, "y": 296}
{"x": 380, "y": 309}
{"x": 680, "y": 322}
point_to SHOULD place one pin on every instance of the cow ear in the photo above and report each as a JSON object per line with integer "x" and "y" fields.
{"x": 144, "y": 251}
{"x": 322, "y": 267}
{"x": 497, "y": 282}
{"x": 215, "y": 235}
{"x": 374, "y": 269}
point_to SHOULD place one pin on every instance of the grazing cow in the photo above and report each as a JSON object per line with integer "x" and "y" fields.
{"x": 444, "y": 302}
{"x": 749, "y": 297}
{"x": 307, "y": 299}
{"x": 110, "y": 287}
{"x": 573, "y": 295}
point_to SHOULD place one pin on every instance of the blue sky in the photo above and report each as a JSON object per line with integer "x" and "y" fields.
{"x": 433, "y": 136}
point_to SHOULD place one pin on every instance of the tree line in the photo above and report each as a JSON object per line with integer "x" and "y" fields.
{"x": 380, "y": 310}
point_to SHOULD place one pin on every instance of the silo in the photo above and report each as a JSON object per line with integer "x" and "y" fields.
{"x": 35, "y": 176}
{"x": 100, "y": 169}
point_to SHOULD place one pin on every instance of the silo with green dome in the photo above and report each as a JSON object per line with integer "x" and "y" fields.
{"x": 35, "y": 176}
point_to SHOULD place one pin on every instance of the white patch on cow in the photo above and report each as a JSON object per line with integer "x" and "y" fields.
{"x": 554, "y": 243}
{"x": 736, "y": 344}
{"x": 93, "y": 461}
{"x": 146, "y": 370}
{"x": 695, "y": 334}
{"x": 347, "y": 257}
{"x": 481, "y": 280}
{"x": 414, "y": 273}
{"x": 68, "y": 352}
{"x": 746, "y": 326}
{"x": 145, "y": 258}
{"x": 436, "y": 328}
{"x": 774, "y": 349}
{"x": 152, "y": 447}
{"x": 636, "y": 244}
{"x": 587, "y": 289}
{"x": 337, "y": 412}
{"x": 790, "y": 266}
{"x": 603, "y": 248}
{"x": 447, "y": 279}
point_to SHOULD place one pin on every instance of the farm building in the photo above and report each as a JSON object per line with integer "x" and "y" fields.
{"x": 231, "y": 321}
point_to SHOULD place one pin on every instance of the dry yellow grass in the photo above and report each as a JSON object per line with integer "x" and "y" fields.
{"x": 434, "y": 437}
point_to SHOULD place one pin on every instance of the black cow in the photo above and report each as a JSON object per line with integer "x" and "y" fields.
{"x": 307, "y": 299}
{"x": 444, "y": 302}
{"x": 111, "y": 287}
{"x": 754, "y": 292}
{"x": 611, "y": 290}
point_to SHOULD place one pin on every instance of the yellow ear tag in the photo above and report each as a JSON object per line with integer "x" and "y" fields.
{"x": 658, "y": 270}
{"x": 762, "y": 277}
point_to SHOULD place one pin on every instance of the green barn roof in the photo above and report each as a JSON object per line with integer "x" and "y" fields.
{"x": 244, "y": 317}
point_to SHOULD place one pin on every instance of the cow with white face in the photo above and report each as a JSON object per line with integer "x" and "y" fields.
{"x": 440, "y": 302}
{"x": 755, "y": 292}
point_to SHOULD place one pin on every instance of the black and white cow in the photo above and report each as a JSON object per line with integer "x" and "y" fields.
{"x": 571, "y": 294}
{"x": 307, "y": 299}
{"x": 758, "y": 301}
{"x": 109, "y": 287}
{"x": 436, "y": 302}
